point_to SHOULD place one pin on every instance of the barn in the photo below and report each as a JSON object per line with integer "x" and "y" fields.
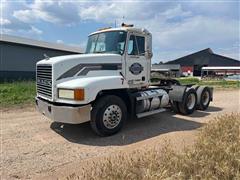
{"x": 20, "y": 55}
{"x": 193, "y": 63}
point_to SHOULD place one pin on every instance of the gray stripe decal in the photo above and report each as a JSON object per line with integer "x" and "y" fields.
{"x": 83, "y": 69}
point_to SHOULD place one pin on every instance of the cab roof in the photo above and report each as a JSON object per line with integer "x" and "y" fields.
{"x": 127, "y": 29}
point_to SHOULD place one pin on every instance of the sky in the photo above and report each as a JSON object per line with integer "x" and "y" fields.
{"x": 178, "y": 27}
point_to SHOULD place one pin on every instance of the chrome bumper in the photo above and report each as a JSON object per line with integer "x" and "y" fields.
{"x": 64, "y": 114}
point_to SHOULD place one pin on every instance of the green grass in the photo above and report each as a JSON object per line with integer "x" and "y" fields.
{"x": 215, "y": 155}
{"x": 189, "y": 80}
{"x": 17, "y": 93}
{"x": 214, "y": 83}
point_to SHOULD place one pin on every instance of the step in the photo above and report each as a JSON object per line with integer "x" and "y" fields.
{"x": 148, "y": 113}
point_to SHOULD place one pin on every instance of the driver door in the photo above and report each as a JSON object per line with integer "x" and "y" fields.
{"x": 136, "y": 62}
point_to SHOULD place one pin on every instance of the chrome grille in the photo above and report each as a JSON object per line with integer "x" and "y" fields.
{"x": 44, "y": 80}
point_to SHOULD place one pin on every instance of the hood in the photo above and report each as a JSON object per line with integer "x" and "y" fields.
{"x": 82, "y": 58}
{"x": 82, "y": 65}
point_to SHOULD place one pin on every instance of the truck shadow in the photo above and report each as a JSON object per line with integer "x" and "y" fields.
{"x": 211, "y": 109}
{"x": 134, "y": 130}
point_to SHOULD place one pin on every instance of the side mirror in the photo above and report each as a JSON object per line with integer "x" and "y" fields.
{"x": 148, "y": 54}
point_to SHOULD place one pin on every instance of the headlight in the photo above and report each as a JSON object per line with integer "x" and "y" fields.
{"x": 76, "y": 94}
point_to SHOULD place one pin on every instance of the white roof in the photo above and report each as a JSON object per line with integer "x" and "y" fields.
{"x": 32, "y": 42}
{"x": 222, "y": 68}
{"x": 159, "y": 70}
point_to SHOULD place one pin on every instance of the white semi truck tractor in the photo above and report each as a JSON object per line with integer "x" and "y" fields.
{"x": 110, "y": 83}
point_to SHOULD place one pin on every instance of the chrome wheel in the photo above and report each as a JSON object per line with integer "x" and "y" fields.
{"x": 205, "y": 98}
{"x": 112, "y": 116}
{"x": 191, "y": 100}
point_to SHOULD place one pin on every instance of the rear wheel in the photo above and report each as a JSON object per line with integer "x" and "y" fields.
{"x": 188, "y": 105}
{"x": 204, "y": 97}
{"x": 108, "y": 114}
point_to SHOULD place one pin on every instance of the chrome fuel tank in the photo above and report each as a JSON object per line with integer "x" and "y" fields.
{"x": 151, "y": 100}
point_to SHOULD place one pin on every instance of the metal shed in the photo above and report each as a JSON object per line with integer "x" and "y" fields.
{"x": 173, "y": 70}
{"x": 20, "y": 55}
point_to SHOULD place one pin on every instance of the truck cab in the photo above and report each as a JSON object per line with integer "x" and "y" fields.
{"x": 134, "y": 46}
{"x": 109, "y": 83}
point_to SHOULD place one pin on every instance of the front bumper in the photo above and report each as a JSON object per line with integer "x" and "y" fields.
{"x": 64, "y": 114}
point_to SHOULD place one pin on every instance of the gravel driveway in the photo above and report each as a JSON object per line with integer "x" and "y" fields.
{"x": 33, "y": 146}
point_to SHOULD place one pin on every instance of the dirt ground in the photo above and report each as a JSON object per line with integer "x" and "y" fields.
{"x": 34, "y": 147}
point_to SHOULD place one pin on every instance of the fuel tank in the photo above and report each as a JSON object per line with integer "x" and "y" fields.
{"x": 151, "y": 100}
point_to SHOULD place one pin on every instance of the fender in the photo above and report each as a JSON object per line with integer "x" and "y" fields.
{"x": 177, "y": 93}
{"x": 92, "y": 86}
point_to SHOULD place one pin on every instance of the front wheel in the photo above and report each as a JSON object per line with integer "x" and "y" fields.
{"x": 108, "y": 114}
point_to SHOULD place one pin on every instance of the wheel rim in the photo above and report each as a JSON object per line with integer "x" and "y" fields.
{"x": 112, "y": 116}
{"x": 205, "y": 98}
{"x": 191, "y": 100}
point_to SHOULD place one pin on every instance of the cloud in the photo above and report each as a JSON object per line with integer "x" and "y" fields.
{"x": 25, "y": 16}
{"x": 198, "y": 31}
{"x": 177, "y": 27}
{"x": 11, "y": 25}
{"x": 4, "y": 21}
{"x": 73, "y": 12}
{"x": 35, "y": 30}
{"x": 17, "y": 27}
{"x": 49, "y": 11}
{"x": 59, "y": 41}
{"x": 176, "y": 11}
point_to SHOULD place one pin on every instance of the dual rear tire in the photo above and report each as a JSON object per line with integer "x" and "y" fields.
{"x": 204, "y": 97}
{"x": 196, "y": 97}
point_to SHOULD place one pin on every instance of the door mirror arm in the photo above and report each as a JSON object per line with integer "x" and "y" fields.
{"x": 148, "y": 54}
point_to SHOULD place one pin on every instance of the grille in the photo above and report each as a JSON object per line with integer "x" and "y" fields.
{"x": 44, "y": 80}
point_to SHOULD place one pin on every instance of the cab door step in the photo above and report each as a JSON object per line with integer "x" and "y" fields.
{"x": 148, "y": 113}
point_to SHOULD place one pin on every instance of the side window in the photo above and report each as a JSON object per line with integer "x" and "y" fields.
{"x": 132, "y": 46}
{"x": 136, "y": 45}
{"x": 141, "y": 45}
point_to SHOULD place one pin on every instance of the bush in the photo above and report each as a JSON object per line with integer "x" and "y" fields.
{"x": 215, "y": 155}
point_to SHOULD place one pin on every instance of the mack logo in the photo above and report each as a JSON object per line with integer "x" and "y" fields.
{"x": 136, "y": 68}
{"x": 45, "y": 82}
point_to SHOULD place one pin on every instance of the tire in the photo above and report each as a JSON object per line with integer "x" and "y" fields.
{"x": 188, "y": 105}
{"x": 203, "y": 97}
{"x": 174, "y": 106}
{"x": 108, "y": 115}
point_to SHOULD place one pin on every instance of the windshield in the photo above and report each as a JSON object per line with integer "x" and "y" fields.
{"x": 107, "y": 42}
